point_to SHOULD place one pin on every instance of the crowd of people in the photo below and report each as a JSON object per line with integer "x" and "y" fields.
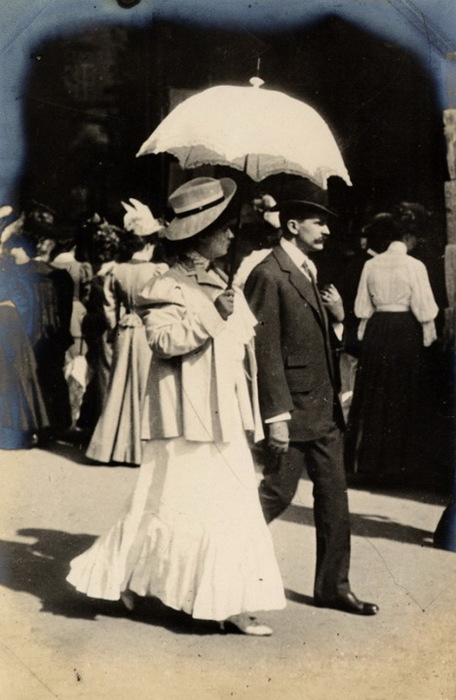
{"x": 136, "y": 339}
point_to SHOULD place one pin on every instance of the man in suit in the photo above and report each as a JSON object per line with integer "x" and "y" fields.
{"x": 298, "y": 394}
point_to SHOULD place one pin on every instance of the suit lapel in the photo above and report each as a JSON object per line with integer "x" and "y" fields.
{"x": 305, "y": 289}
{"x": 301, "y": 283}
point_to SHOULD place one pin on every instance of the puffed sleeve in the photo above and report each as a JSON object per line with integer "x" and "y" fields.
{"x": 422, "y": 302}
{"x": 173, "y": 327}
{"x": 364, "y": 307}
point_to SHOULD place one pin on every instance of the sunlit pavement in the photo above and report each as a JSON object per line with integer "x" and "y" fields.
{"x": 56, "y": 644}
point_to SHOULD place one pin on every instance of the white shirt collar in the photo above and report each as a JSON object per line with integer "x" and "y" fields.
{"x": 298, "y": 257}
{"x": 398, "y": 247}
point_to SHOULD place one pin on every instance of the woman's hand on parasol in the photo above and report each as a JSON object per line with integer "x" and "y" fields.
{"x": 225, "y": 303}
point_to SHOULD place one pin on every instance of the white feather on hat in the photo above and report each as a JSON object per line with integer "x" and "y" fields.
{"x": 5, "y": 211}
{"x": 139, "y": 218}
{"x": 12, "y": 228}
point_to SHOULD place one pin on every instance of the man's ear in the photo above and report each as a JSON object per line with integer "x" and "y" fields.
{"x": 292, "y": 226}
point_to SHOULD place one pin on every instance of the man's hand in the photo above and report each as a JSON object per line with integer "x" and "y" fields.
{"x": 225, "y": 303}
{"x": 333, "y": 302}
{"x": 279, "y": 436}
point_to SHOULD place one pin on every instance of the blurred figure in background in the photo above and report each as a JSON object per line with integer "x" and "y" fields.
{"x": 75, "y": 368}
{"x": 257, "y": 236}
{"x": 45, "y": 309}
{"x": 420, "y": 225}
{"x": 117, "y": 435}
{"x": 397, "y": 311}
{"x": 102, "y": 242}
{"x": 22, "y": 410}
{"x": 428, "y": 231}
{"x": 376, "y": 240}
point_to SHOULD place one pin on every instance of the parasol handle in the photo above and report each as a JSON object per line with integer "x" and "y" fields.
{"x": 233, "y": 249}
{"x": 234, "y": 243}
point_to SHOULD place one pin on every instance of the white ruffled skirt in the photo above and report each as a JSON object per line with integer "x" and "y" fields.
{"x": 194, "y": 535}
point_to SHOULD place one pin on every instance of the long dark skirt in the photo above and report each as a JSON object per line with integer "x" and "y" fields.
{"x": 22, "y": 410}
{"x": 385, "y": 430}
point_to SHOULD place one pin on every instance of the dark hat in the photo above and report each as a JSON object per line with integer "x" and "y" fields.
{"x": 412, "y": 218}
{"x": 380, "y": 224}
{"x": 302, "y": 197}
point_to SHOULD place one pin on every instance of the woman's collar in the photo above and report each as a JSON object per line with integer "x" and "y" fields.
{"x": 398, "y": 247}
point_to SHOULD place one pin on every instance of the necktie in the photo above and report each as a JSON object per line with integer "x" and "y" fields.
{"x": 307, "y": 269}
{"x": 310, "y": 274}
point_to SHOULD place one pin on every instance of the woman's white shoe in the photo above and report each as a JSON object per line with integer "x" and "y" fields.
{"x": 247, "y": 624}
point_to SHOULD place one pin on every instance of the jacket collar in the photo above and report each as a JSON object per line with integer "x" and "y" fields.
{"x": 397, "y": 247}
{"x": 197, "y": 272}
{"x": 298, "y": 257}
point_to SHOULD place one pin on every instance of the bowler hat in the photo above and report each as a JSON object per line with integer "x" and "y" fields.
{"x": 197, "y": 204}
{"x": 300, "y": 197}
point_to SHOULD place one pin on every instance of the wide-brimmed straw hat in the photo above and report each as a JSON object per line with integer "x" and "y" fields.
{"x": 197, "y": 204}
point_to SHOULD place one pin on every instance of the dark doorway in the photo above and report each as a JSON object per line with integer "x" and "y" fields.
{"x": 94, "y": 98}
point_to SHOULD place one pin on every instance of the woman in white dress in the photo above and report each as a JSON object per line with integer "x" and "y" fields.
{"x": 194, "y": 534}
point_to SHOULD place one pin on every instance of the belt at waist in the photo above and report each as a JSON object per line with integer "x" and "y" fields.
{"x": 392, "y": 307}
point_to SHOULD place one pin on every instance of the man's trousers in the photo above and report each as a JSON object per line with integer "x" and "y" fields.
{"x": 323, "y": 459}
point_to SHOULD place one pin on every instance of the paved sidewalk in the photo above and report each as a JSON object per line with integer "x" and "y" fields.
{"x": 56, "y": 644}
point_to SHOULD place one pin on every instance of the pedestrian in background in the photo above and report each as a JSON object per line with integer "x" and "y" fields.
{"x": 376, "y": 236}
{"x": 22, "y": 410}
{"x": 117, "y": 435}
{"x": 75, "y": 368}
{"x": 102, "y": 243}
{"x": 397, "y": 311}
{"x": 45, "y": 309}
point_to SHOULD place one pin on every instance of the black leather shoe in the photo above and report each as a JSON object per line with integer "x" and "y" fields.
{"x": 349, "y": 603}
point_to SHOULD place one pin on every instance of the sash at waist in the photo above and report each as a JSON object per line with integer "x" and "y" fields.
{"x": 392, "y": 307}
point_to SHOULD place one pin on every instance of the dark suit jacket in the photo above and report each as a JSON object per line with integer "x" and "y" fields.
{"x": 295, "y": 370}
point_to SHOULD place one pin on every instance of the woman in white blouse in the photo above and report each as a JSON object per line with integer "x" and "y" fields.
{"x": 397, "y": 311}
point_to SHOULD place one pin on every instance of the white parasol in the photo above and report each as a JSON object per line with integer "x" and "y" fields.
{"x": 261, "y": 132}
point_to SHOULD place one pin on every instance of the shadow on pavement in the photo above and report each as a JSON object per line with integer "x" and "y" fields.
{"x": 366, "y": 525}
{"x": 73, "y": 453}
{"x": 40, "y": 569}
{"x": 296, "y": 597}
{"x": 435, "y": 491}
{"x": 434, "y": 494}
{"x": 76, "y": 453}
